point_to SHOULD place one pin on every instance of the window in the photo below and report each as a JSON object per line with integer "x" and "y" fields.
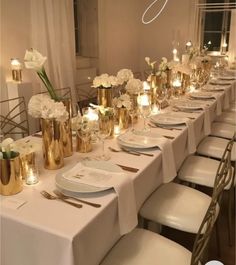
{"x": 215, "y": 23}
{"x": 86, "y": 27}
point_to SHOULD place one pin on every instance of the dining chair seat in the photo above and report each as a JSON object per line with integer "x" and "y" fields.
{"x": 224, "y": 130}
{"x": 176, "y": 206}
{"x": 200, "y": 170}
{"x": 214, "y": 147}
{"x": 227, "y": 117}
{"x": 141, "y": 247}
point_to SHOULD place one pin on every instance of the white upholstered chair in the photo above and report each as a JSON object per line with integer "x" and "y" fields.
{"x": 141, "y": 247}
{"x": 223, "y": 130}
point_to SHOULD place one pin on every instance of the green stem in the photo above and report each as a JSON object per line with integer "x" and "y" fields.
{"x": 43, "y": 76}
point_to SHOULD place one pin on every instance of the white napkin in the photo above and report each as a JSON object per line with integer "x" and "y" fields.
{"x": 122, "y": 185}
{"x": 226, "y": 99}
{"x": 191, "y": 137}
{"x": 165, "y": 145}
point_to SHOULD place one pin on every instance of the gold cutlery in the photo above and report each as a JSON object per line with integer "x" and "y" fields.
{"x": 123, "y": 150}
{"x": 169, "y": 137}
{"x": 66, "y": 197}
{"x": 131, "y": 169}
{"x": 52, "y": 197}
{"x": 141, "y": 153}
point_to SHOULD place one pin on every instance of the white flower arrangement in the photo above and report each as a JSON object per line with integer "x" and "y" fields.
{"x": 42, "y": 106}
{"x": 82, "y": 123}
{"x": 105, "y": 81}
{"x": 25, "y": 147}
{"x": 122, "y": 102}
{"x": 124, "y": 75}
{"x": 193, "y": 52}
{"x": 6, "y": 149}
{"x": 164, "y": 66}
{"x": 35, "y": 60}
{"x": 134, "y": 86}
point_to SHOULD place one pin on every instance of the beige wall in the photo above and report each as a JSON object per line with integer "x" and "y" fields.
{"x": 123, "y": 40}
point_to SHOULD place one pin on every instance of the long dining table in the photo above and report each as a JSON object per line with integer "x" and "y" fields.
{"x": 41, "y": 232}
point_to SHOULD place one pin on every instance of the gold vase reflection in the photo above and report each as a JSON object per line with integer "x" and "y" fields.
{"x": 52, "y": 144}
{"x": 105, "y": 96}
{"x": 83, "y": 141}
{"x": 66, "y": 131}
{"x": 10, "y": 176}
{"x": 122, "y": 115}
{"x": 27, "y": 162}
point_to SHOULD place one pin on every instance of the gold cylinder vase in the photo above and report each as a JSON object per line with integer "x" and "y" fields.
{"x": 10, "y": 176}
{"x": 134, "y": 102}
{"x": 66, "y": 130}
{"x": 52, "y": 144}
{"x": 122, "y": 115}
{"x": 27, "y": 162}
{"x": 83, "y": 142}
{"x": 105, "y": 96}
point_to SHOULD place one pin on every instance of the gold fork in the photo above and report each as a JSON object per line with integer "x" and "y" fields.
{"x": 52, "y": 197}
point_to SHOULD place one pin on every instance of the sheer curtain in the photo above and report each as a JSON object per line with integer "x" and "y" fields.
{"x": 52, "y": 31}
{"x": 232, "y": 40}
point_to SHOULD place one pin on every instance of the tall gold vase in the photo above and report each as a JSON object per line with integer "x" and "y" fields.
{"x": 52, "y": 144}
{"x": 66, "y": 131}
{"x": 105, "y": 96}
{"x": 10, "y": 176}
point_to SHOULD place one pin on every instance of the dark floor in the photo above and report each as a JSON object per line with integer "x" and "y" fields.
{"x": 227, "y": 256}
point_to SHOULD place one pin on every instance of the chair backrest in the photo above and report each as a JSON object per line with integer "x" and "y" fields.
{"x": 14, "y": 118}
{"x": 222, "y": 179}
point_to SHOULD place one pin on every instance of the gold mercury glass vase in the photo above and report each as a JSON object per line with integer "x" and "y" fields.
{"x": 27, "y": 161}
{"x": 66, "y": 131}
{"x": 122, "y": 115}
{"x": 134, "y": 102}
{"x": 10, "y": 176}
{"x": 83, "y": 141}
{"x": 105, "y": 96}
{"x": 52, "y": 144}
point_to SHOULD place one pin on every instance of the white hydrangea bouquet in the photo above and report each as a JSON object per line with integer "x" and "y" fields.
{"x": 134, "y": 86}
{"x": 42, "y": 106}
{"x": 105, "y": 81}
{"x": 7, "y": 149}
{"x": 124, "y": 75}
{"x": 164, "y": 66}
{"x": 35, "y": 60}
{"x": 122, "y": 101}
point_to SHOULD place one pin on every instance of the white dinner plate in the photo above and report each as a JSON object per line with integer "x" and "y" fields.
{"x": 65, "y": 184}
{"x": 167, "y": 120}
{"x": 212, "y": 88}
{"x": 137, "y": 141}
{"x": 187, "y": 105}
{"x": 229, "y": 78}
{"x": 220, "y": 82}
{"x": 201, "y": 95}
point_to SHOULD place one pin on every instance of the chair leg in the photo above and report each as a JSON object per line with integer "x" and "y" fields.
{"x": 217, "y": 238}
{"x": 230, "y": 193}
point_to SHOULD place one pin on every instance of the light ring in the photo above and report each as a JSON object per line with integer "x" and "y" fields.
{"x": 147, "y": 22}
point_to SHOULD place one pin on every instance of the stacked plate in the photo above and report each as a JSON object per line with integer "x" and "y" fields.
{"x": 167, "y": 120}
{"x": 212, "y": 88}
{"x": 137, "y": 141}
{"x": 220, "y": 82}
{"x": 187, "y": 105}
{"x": 65, "y": 182}
{"x": 202, "y": 95}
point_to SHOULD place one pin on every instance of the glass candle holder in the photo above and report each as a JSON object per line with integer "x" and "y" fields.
{"x": 32, "y": 176}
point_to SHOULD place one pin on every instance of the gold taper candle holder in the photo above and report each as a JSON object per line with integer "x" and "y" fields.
{"x": 52, "y": 144}
{"x": 10, "y": 176}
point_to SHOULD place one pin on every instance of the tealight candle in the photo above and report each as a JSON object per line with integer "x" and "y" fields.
{"x": 176, "y": 83}
{"x": 32, "y": 176}
{"x": 90, "y": 114}
{"x": 146, "y": 86}
{"x": 116, "y": 130}
{"x": 144, "y": 100}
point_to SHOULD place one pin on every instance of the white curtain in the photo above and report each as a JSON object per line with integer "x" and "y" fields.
{"x": 52, "y": 31}
{"x": 232, "y": 37}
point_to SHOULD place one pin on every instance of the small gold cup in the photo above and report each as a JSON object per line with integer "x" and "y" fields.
{"x": 10, "y": 176}
{"x": 83, "y": 142}
{"x": 27, "y": 161}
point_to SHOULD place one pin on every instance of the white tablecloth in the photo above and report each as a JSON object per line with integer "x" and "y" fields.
{"x": 45, "y": 232}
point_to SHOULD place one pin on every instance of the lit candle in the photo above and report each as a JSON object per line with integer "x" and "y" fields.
{"x": 32, "y": 177}
{"x": 16, "y": 68}
{"x": 175, "y": 57}
{"x": 146, "y": 86}
{"x": 188, "y": 45}
{"x": 144, "y": 100}
{"x": 176, "y": 83}
{"x": 155, "y": 109}
{"x": 116, "y": 130}
{"x": 91, "y": 114}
